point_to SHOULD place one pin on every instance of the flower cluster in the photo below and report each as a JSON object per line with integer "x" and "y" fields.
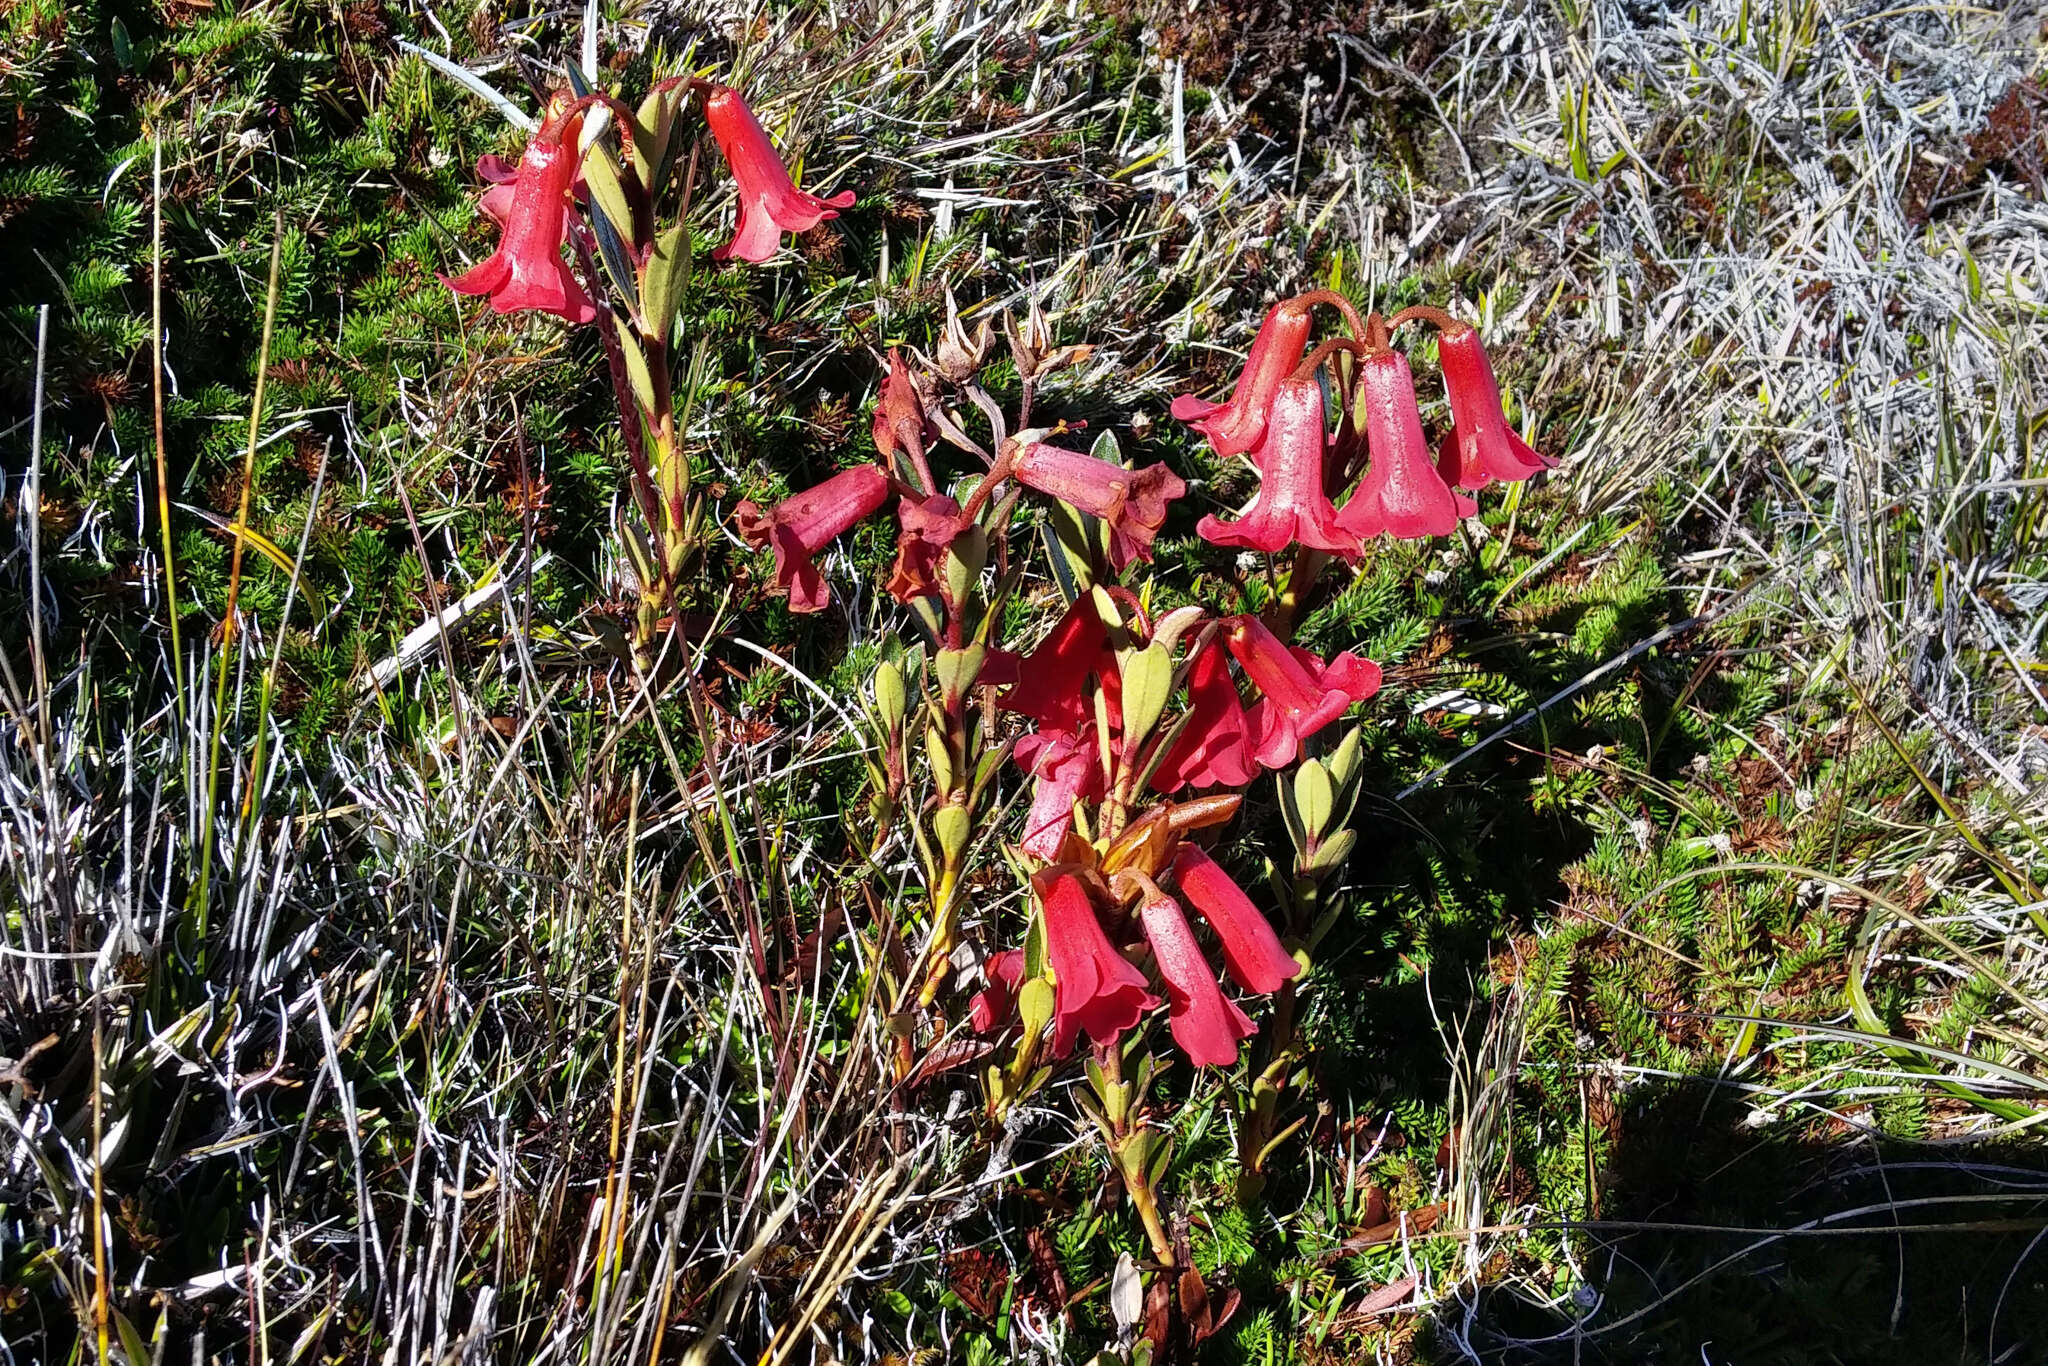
{"x": 1127, "y": 713}
{"x": 595, "y": 177}
{"x": 535, "y": 203}
{"x": 1097, "y": 987}
{"x": 1276, "y": 418}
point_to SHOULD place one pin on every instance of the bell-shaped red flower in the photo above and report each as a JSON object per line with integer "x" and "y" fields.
{"x": 770, "y": 204}
{"x": 1095, "y": 988}
{"x": 805, "y": 523}
{"x": 1206, "y": 1024}
{"x": 1401, "y": 495}
{"x": 1236, "y": 427}
{"x": 1068, "y": 770}
{"x": 991, "y": 1007}
{"x": 1052, "y": 682}
{"x": 928, "y": 527}
{"x": 1291, "y": 505}
{"x": 1481, "y": 446}
{"x": 1212, "y": 749}
{"x": 1299, "y": 694}
{"x": 527, "y": 270}
{"x": 1132, "y": 502}
{"x": 1251, "y": 950}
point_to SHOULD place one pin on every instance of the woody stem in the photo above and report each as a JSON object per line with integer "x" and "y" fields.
{"x": 1148, "y": 1210}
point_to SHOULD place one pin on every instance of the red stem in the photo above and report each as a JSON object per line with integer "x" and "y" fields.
{"x": 997, "y": 473}
{"x": 1436, "y": 317}
{"x": 1337, "y": 301}
{"x": 1324, "y": 350}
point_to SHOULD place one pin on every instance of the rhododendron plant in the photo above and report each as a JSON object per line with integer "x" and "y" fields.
{"x": 1299, "y": 694}
{"x": 1234, "y": 428}
{"x": 1206, "y": 1024}
{"x": 577, "y": 185}
{"x": 1097, "y": 988}
{"x": 1131, "y": 502}
{"x": 1067, "y": 724}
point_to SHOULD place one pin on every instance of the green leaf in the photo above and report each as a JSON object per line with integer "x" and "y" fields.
{"x": 1147, "y": 677}
{"x": 618, "y": 262}
{"x": 601, "y": 174}
{"x": 1314, "y": 797}
{"x": 662, "y": 283}
{"x": 957, "y": 669}
{"x": 652, "y": 125}
{"x": 637, "y": 372}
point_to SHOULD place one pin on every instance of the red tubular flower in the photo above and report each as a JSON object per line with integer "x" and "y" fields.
{"x": 527, "y": 270}
{"x": 1251, "y": 950}
{"x": 928, "y": 529}
{"x": 990, "y": 1009}
{"x": 1206, "y": 1024}
{"x": 1068, "y": 769}
{"x": 1094, "y": 987}
{"x": 770, "y": 204}
{"x": 805, "y": 523}
{"x": 1052, "y": 682}
{"x": 1132, "y": 502}
{"x": 503, "y": 176}
{"x": 1211, "y": 750}
{"x": 1402, "y": 493}
{"x": 1481, "y": 446}
{"x": 1299, "y": 694}
{"x": 1291, "y": 505}
{"x": 1236, "y": 427}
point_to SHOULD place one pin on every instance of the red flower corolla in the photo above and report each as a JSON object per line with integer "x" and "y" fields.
{"x": 1094, "y": 987}
{"x": 1291, "y": 505}
{"x": 1401, "y": 495}
{"x": 928, "y": 528}
{"x": 805, "y": 523}
{"x": 1068, "y": 769}
{"x": 992, "y": 1005}
{"x": 527, "y": 270}
{"x": 503, "y": 176}
{"x": 770, "y": 204}
{"x": 1211, "y": 750}
{"x": 1052, "y": 682}
{"x": 1251, "y": 950}
{"x": 1481, "y": 447}
{"x": 1236, "y": 427}
{"x": 1132, "y": 502}
{"x": 1206, "y": 1024}
{"x": 1299, "y": 694}
{"x": 496, "y": 202}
